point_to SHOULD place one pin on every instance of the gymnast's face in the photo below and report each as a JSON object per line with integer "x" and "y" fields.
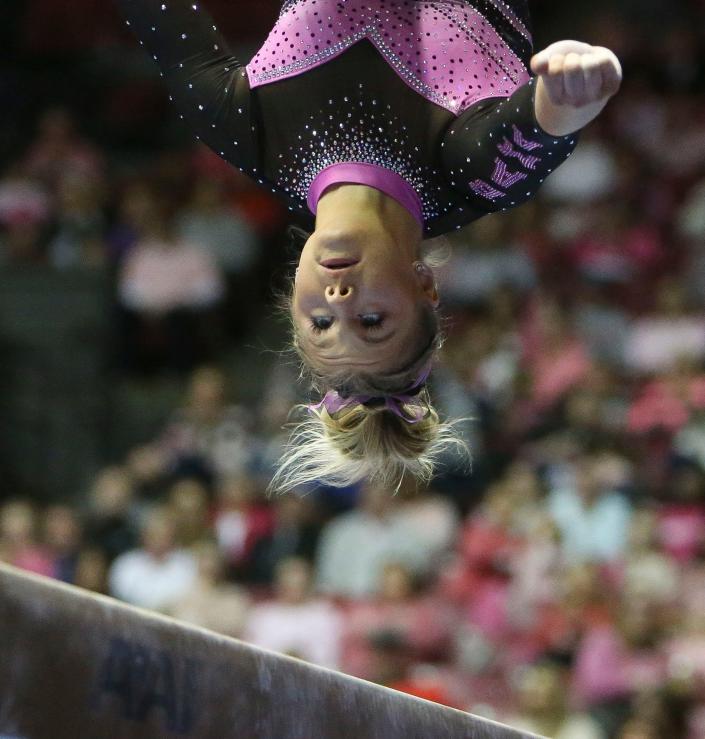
{"x": 357, "y": 299}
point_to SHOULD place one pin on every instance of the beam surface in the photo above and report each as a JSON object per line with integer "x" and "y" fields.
{"x": 80, "y": 666}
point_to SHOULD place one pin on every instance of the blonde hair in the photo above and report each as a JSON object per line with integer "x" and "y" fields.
{"x": 363, "y": 442}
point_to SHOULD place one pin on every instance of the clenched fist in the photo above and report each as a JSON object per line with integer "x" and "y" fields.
{"x": 575, "y": 82}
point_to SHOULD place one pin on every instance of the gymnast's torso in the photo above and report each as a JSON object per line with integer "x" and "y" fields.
{"x": 431, "y": 102}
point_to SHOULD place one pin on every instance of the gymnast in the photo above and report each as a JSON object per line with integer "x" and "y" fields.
{"x": 382, "y": 123}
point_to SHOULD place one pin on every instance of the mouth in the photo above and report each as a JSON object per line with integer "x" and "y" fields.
{"x": 339, "y": 263}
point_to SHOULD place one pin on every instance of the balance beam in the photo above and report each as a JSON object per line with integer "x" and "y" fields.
{"x": 74, "y": 665}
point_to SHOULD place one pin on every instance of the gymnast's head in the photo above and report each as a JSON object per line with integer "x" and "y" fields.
{"x": 364, "y": 312}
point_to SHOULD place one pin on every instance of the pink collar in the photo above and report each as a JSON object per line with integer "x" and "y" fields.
{"x": 358, "y": 173}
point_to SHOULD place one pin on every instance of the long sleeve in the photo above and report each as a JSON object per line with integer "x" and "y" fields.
{"x": 497, "y": 155}
{"x": 208, "y": 85}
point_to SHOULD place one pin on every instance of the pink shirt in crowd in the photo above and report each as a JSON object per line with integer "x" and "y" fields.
{"x": 162, "y": 277}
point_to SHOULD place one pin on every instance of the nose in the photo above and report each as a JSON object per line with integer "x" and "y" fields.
{"x": 338, "y": 293}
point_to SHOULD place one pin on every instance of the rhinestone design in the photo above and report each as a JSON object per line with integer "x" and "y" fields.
{"x": 447, "y": 50}
{"x": 371, "y": 135}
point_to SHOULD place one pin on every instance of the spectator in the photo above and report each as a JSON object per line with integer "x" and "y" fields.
{"x": 111, "y": 524}
{"x": 158, "y": 574}
{"x": 590, "y": 513}
{"x": 206, "y": 436}
{"x": 400, "y": 606}
{"x": 59, "y": 150}
{"x": 188, "y": 505}
{"x": 92, "y": 571}
{"x": 295, "y": 532}
{"x": 295, "y": 622}
{"x": 18, "y": 545}
{"x": 80, "y": 225}
{"x": 227, "y": 237}
{"x": 241, "y": 523}
{"x": 355, "y": 547}
{"x": 211, "y": 602}
{"x": 543, "y": 706}
{"x": 62, "y": 539}
{"x": 672, "y": 333}
{"x": 168, "y": 290}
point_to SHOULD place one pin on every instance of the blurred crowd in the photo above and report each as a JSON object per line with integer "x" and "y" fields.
{"x": 559, "y": 584}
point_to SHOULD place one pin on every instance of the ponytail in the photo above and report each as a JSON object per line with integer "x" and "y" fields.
{"x": 361, "y": 442}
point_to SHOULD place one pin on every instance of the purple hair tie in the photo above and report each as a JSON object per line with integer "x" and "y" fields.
{"x": 334, "y": 402}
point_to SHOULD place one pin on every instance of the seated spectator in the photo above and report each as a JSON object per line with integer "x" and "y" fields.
{"x": 295, "y": 532}
{"x": 399, "y": 606}
{"x": 241, "y": 522}
{"x": 18, "y": 543}
{"x": 168, "y": 290}
{"x": 111, "y": 522}
{"x": 77, "y": 241}
{"x": 158, "y": 574}
{"x": 188, "y": 504}
{"x": 91, "y": 571}
{"x": 207, "y": 436}
{"x": 135, "y": 205}
{"x": 615, "y": 662}
{"x": 543, "y": 708}
{"x": 355, "y": 546}
{"x": 618, "y": 247}
{"x": 680, "y": 517}
{"x": 669, "y": 402}
{"x": 491, "y": 257}
{"x": 211, "y": 602}
{"x": 556, "y": 358}
{"x": 296, "y": 622}
{"x": 62, "y": 539}
{"x": 59, "y": 150}
{"x": 434, "y": 520}
{"x": 645, "y": 572}
{"x": 394, "y": 667}
{"x": 25, "y": 214}
{"x": 210, "y": 222}
{"x": 479, "y": 581}
{"x": 673, "y": 332}
{"x": 590, "y": 512}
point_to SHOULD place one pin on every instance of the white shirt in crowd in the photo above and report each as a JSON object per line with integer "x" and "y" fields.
{"x": 355, "y": 547}
{"x": 143, "y": 580}
{"x": 310, "y": 630}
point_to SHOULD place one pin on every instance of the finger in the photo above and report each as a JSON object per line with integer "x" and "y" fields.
{"x": 574, "y": 79}
{"x": 611, "y": 71}
{"x": 611, "y": 76}
{"x": 553, "y": 79}
{"x": 592, "y": 73}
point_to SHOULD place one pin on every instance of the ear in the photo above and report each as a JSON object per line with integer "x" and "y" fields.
{"x": 427, "y": 282}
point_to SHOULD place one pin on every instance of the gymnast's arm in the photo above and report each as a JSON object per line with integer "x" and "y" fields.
{"x": 207, "y": 84}
{"x": 500, "y": 151}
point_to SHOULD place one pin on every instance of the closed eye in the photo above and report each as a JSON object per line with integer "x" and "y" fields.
{"x": 321, "y": 323}
{"x": 371, "y": 321}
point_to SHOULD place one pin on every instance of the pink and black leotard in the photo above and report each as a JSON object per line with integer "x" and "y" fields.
{"x": 430, "y": 102}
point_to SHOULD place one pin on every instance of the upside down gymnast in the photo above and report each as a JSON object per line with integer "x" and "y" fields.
{"x": 382, "y": 123}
